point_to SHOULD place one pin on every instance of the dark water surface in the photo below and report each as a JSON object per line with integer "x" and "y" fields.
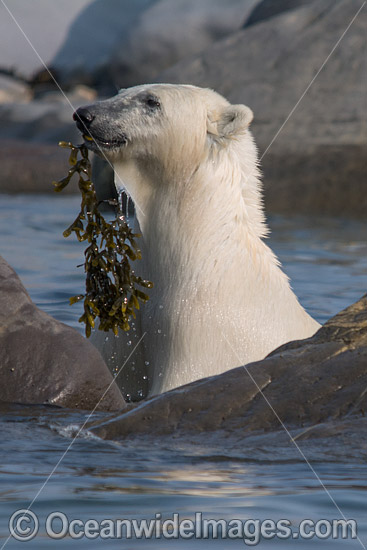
{"x": 327, "y": 262}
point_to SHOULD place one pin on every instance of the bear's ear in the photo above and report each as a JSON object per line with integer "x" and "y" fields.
{"x": 230, "y": 121}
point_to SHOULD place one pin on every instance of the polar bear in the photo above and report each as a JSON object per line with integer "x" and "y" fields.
{"x": 187, "y": 158}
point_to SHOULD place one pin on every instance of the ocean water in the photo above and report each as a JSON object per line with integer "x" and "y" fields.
{"x": 90, "y": 479}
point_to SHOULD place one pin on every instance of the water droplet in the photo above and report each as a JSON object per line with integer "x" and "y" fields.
{"x": 129, "y": 343}
{"x": 147, "y": 363}
{"x": 145, "y": 377}
{"x": 159, "y": 331}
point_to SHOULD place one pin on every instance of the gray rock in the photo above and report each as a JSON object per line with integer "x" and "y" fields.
{"x": 133, "y": 41}
{"x": 44, "y": 361}
{"x": 31, "y": 167}
{"x": 44, "y": 23}
{"x": 93, "y": 38}
{"x": 47, "y": 119}
{"x": 317, "y": 160}
{"x": 13, "y": 89}
{"x": 170, "y": 30}
{"x": 307, "y": 385}
{"x": 30, "y": 158}
{"x": 268, "y": 8}
{"x": 111, "y": 41}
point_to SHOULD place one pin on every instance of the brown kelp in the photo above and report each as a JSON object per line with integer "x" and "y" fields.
{"x": 111, "y": 285}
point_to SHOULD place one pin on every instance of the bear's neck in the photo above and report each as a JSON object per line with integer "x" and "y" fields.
{"x": 219, "y": 298}
{"x": 201, "y": 229}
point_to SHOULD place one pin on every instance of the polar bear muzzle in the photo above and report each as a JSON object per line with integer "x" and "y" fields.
{"x": 95, "y": 133}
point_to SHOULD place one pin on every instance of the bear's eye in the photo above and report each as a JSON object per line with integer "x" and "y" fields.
{"x": 152, "y": 102}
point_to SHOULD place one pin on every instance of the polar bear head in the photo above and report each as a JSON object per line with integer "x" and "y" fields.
{"x": 163, "y": 131}
{"x": 165, "y": 140}
{"x": 145, "y": 120}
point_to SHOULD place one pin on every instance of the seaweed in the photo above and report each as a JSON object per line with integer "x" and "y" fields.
{"x": 111, "y": 286}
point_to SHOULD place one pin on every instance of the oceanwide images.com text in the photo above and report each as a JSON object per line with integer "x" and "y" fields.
{"x": 25, "y": 525}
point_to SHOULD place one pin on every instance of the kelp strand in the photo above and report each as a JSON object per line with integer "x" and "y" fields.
{"x": 111, "y": 292}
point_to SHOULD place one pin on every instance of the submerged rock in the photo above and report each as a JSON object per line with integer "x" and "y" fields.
{"x": 305, "y": 385}
{"x": 43, "y": 361}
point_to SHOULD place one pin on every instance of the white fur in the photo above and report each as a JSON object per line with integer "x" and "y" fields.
{"x": 220, "y": 299}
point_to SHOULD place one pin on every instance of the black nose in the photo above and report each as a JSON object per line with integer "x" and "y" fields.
{"x": 83, "y": 118}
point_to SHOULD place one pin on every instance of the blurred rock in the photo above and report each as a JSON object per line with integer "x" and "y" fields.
{"x": 110, "y": 43}
{"x": 30, "y": 158}
{"x": 32, "y": 167}
{"x": 45, "y": 24}
{"x": 268, "y": 8}
{"x": 44, "y": 361}
{"x": 47, "y": 119}
{"x": 133, "y": 41}
{"x": 37, "y": 121}
{"x": 13, "y": 90}
{"x": 303, "y": 384}
{"x": 77, "y": 96}
{"x": 170, "y": 30}
{"x": 93, "y": 38}
{"x": 316, "y": 161}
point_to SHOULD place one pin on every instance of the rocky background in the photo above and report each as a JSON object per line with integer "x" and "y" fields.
{"x": 264, "y": 53}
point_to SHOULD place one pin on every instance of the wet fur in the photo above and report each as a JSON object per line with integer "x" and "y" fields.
{"x": 220, "y": 299}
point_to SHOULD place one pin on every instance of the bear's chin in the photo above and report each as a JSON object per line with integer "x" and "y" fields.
{"x": 101, "y": 146}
